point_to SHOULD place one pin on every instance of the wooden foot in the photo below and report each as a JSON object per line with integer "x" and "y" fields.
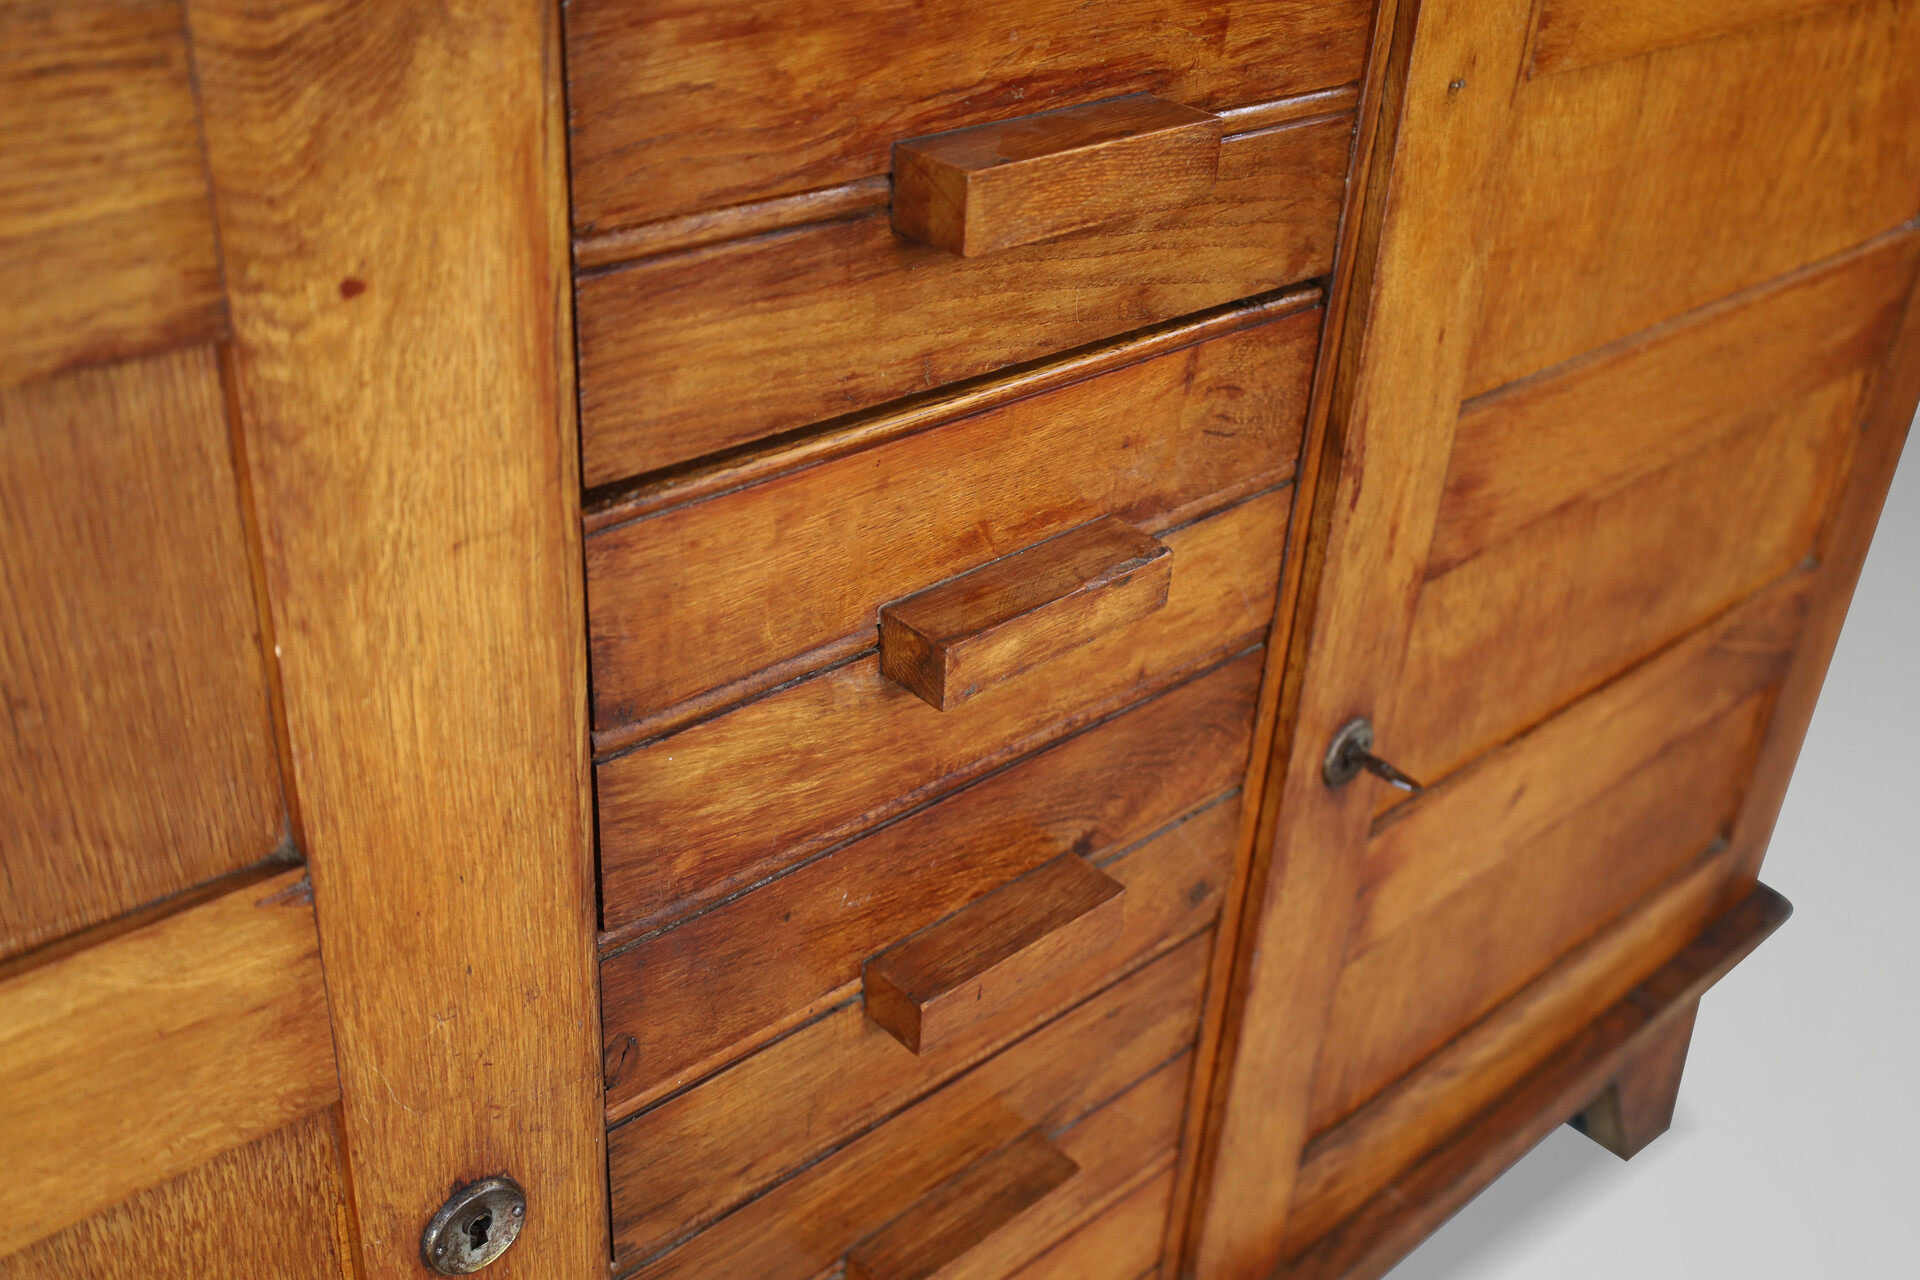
{"x": 1637, "y": 1106}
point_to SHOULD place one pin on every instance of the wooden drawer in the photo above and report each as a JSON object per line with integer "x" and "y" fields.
{"x": 724, "y": 596}
{"x": 701, "y": 813}
{"x": 686, "y": 353}
{"x": 683, "y": 106}
{"x": 1148, "y": 796}
{"x": 1103, "y": 1085}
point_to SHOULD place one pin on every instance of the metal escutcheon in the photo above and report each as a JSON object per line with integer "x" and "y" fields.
{"x": 1352, "y": 750}
{"x": 473, "y": 1228}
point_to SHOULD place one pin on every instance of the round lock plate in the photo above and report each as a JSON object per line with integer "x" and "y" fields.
{"x": 476, "y": 1226}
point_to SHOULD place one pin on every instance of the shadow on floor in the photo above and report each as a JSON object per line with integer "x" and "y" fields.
{"x": 1525, "y": 1195}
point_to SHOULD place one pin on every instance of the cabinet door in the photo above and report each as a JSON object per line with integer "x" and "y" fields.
{"x": 1635, "y": 359}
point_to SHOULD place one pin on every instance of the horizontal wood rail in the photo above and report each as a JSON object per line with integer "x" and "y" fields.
{"x": 1370, "y": 1241}
{"x": 144, "y": 1056}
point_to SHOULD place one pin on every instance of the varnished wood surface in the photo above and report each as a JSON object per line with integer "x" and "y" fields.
{"x": 140, "y": 758}
{"x": 1578, "y": 432}
{"x": 1637, "y": 1105}
{"x": 1508, "y": 637}
{"x": 274, "y": 1209}
{"x": 138, "y": 1059}
{"x": 693, "y": 816}
{"x": 681, "y": 107}
{"x": 1629, "y": 196}
{"x": 1396, "y": 395}
{"x": 689, "y": 353}
{"x": 104, "y": 224}
{"x": 391, "y": 190}
{"x": 693, "y": 1156}
{"x": 1412, "y": 991}
{"x": 937, "y": 1231}
{"x": 1013, "y": 614}
{"x": 966, "y": 968}
{"x": 1577, "y": 33}
{"x": 1346, "y": 1165}
{"x": 1056, "y": 1080}
{"x": 1384, "y": 1230}
{"x": 767, "y": 572}
{"x": 733, "y": 976}
{"x": 1431, "y": 846}
{"x": 1887, "y": 418}
{"x": 1014, "y": 182}
{"x": 1121, "y": 1243}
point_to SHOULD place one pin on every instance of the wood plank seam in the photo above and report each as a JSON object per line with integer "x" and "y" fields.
{"x": 627, "y": 501}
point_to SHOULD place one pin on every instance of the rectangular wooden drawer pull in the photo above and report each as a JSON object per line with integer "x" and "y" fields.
{"x": 951, "y": 641}
{"x": 994, "y": 186}
{"x": 944, "y": 1225}
{"x": 986, "y": 955}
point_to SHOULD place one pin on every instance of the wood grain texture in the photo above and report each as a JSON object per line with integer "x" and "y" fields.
{"x": 768, "y": 572}
{"x": 1013, "y": 614}
{"x": 955, "y": 974}
{"x": 1581, "y": 431}
{"x": 104, "y": 224}
{"x": 1367, "y": 1244}
{"x": 1578, "y": 33}
{"x": 1511, "y": 636}
{"x": 1637, "y": 1106}
{"x": 1031, "y": 178}
{"x": 403, "y": 366}
{"x": 1887, "y": 418}
{"x": 1629, "y": 189}
{"x": 696, "y": 815}
{"x": 1344, "y": 1166}
{"x": 733, "y": 976}
{"x": 273, "y": 1209}
{"x": 690, "y": 353}
{"x": 1396, "y": 395}
{"x": 1050, "y": 1080}
{"x": 1122, "y": 1243}
{"x": 139, "y": 758}
{"x": 1429, "y": 847}
{"x": 679, "y": 107}
{"x": 939, "y": 1229}
{"x": 136, "y": 1060}
{"x": 699, "y": 1153}
{"x": 1412, "y": 991}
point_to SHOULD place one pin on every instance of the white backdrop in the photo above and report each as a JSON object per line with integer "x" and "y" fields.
{"x": 1793, "y": 1149}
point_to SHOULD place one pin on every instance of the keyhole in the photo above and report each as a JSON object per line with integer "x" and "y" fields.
{"x": 477, "y": 1231}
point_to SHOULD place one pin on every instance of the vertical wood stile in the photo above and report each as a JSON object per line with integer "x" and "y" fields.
{"x": 390, "y": 192}
{"x": 1390, "y": 438}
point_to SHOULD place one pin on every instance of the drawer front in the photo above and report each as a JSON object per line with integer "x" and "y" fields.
{"x": 699, "y": 814}
{"x": 683, "y": 354}
{"x": 702, "y": 597}
{"x": 682, "y": 106}
{"x": 734, "y": 977}
{"x": 1104, "y": 1086}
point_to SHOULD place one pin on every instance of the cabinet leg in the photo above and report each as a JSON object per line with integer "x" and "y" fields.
{"x": 1638, "y": 1106}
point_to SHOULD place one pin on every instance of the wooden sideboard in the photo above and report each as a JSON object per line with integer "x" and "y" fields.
{"x": 881, "y": 641}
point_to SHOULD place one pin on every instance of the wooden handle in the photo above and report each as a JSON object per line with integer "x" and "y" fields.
{"x": 942, "y": 1226}
{"x": 951, "y": 641}
{"x": 994, "y": 186}
{"x": 988, "y": 954}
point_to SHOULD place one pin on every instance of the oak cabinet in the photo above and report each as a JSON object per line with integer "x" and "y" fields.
{"x": 894, "y": 640}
